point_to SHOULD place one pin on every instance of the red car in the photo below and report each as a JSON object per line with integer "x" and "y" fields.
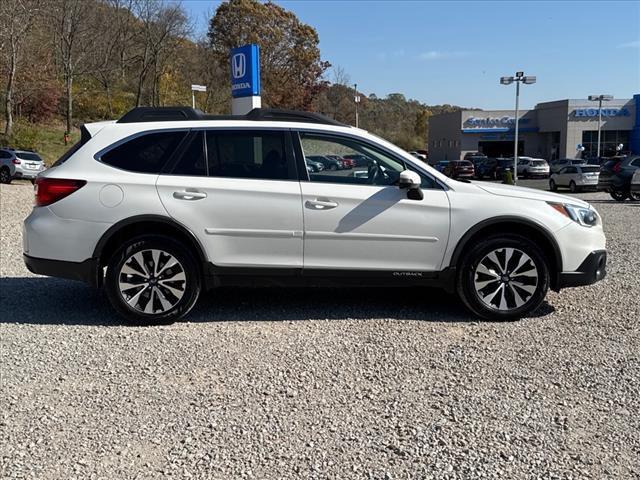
{"x": 347, "y": 163}
{"x": 459, "y": 169}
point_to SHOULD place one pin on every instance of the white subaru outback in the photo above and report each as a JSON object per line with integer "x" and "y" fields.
{"x": 166, "y": 203}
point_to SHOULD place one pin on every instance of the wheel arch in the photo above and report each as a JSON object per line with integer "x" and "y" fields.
{"x": 144, "y": 225}
{"x": 511, "y": 224}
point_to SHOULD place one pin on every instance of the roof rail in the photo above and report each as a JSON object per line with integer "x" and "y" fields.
{"x": 172, "y": 114}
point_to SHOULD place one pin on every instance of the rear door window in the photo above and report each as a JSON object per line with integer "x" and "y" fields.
{"x": 249, "y": 154}
{"x": 193, "y": 161}
{"x": 147, "y": 153}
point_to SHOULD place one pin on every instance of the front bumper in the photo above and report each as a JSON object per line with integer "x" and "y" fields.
{"x": 85, "y": 271}
{"x": 591, "y": 270}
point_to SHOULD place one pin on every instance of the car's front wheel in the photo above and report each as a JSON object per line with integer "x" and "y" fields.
{"x": 552, "y": 185}
{"x": 152, "y": 280}
{"x": 503, "y": 277}
{"x": 573, "y": 187}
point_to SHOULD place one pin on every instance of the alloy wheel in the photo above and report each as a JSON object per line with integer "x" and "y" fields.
{"x": 505, "y": 279}
{"x": 152, "y": 281}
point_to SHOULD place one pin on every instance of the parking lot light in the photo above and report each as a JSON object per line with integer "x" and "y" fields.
{"x": 600, "y": 99}
{"x": 520, "y": 77}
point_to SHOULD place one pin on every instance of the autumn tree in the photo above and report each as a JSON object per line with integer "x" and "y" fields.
{"x": 290, "y": 62}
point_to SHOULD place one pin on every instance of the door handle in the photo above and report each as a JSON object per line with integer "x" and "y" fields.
{"x": 189, "y": 195}
{"x": 320, "y": 204}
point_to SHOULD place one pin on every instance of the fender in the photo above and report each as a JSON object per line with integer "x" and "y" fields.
{"x": 116, "y": 227}
{"x": 460, "y": 247}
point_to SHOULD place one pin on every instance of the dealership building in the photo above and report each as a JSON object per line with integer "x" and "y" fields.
{"x": 559, "y": 129}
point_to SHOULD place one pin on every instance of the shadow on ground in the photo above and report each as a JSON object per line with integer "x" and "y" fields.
{"x": 50, "y": 301}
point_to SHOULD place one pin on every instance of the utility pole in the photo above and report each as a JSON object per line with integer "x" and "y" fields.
{"x": 600, "y": 99}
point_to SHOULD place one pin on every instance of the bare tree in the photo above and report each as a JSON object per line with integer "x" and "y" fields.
{"x": 75, "y": 38}
{"x": 110, "y": 58}
{"x": 163, "y": 26}
{"x": 16, "y": 22}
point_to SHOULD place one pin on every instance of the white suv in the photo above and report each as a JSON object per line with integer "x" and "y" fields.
{"x": 166, "y": 203}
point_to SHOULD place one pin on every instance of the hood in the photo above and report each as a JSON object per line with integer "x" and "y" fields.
{"x": 529, "y": 193}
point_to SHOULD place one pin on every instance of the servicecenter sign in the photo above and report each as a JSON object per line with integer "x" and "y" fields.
{"x": 504, "y": 122}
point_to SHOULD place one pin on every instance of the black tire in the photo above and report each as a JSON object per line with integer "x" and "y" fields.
{"x": 618, "y": 195}
{"x": 552, "y": 185}
{"x": 573, "y": 187}
{"x": 634, "y": 196}
{"x": 191, "y": 287}
{"x": 467, "y": 275}
{"x": 333, "y": 168}
{"x": 5, "y": 175}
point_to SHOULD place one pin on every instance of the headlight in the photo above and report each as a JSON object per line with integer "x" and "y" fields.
{"x": 587, "y": 217}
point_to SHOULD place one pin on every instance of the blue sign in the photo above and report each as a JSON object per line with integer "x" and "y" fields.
{"x": 606, "y": 112}
{"x": 245, "y": 71}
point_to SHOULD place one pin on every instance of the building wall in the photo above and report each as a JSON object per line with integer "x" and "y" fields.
{"x": 444, "y": 137}
{"x": 556, "y": 128}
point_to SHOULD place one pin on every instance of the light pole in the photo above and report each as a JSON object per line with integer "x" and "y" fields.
{"x": 527, "y": 80}
{"x": 600, "y": 99}
{"x": 356, "y": 99}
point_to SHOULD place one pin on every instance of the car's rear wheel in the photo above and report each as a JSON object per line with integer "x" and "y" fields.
{"x": 503, "y": 277}
{"x": 5, "y": 175}
{"x": 635, "y": 196}
{"x": 152, "y": 280}
{"x": 573, "y": 187}
{"x": 618, "y": 195}
{"x": 552, "y": 185}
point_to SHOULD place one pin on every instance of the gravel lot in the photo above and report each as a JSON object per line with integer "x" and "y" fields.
{"x": 320, "y": 383}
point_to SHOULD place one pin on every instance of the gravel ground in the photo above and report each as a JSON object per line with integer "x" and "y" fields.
{"x": 320, "y": 383}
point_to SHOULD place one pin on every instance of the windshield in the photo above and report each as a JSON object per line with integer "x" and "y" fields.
{"x": 590, "y": 169}
{"x": 538, "y": 163}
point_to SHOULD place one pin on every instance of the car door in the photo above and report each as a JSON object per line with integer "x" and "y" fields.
{"x": 238, "y": 192}
{"x": 360, "y": 220}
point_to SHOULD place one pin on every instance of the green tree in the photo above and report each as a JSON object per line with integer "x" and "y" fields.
{"x": 290, "y": 62}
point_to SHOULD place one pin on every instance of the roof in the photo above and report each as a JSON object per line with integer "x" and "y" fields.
{"x": 176, "y": 114}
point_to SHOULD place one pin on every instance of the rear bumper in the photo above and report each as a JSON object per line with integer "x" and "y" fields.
{"x": 635, "y": 187}
{"x": 591, "y": 270}
{"x": 82, "y": 271}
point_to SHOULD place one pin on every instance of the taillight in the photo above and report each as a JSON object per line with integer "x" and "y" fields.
{"x": 16, "y": 161}
{"x": 617, "y": 167}
{"x": 50, "y": 190}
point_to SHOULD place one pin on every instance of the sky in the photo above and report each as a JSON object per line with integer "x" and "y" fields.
{"x": 455, "y": 52}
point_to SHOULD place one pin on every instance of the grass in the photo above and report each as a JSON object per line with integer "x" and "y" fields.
{"x": 47, "y": 140}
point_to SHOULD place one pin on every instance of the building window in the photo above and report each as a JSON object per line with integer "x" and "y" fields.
{"x": 609, "y": 141}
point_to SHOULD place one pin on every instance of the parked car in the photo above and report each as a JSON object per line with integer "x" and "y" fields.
{"x": 347, "y": 163}
{"x": 575, "y": 178}
{"x": 635, "y": 186}
{"x": 493, "y": 168}
{"x": 459, "y": 169}
{"x": 315, "y": 166}
{"x": 418, "y": 155}
{"x": 440, "y": 166}
{"x": 328, "y": 163}
{"x": 532, "y": 167}
{"x": 160, "y": 211}
{"x": 19, "y": 164}
{"x": 615, "y": 176}
{"x": 474, "y": 156}
{"x": 558, "y": 164}
{"x": 360, "y": 160}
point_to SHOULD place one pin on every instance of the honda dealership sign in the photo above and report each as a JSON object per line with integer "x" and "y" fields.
{"x": 245, "y": 71}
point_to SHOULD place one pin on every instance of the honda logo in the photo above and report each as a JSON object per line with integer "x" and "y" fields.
{"x": 238, "y": 65}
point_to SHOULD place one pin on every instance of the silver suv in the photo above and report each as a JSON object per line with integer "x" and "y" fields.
{"x": 19, "y": 164}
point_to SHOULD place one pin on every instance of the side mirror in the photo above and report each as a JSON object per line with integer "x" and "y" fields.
{"x": 411, "y": 181}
